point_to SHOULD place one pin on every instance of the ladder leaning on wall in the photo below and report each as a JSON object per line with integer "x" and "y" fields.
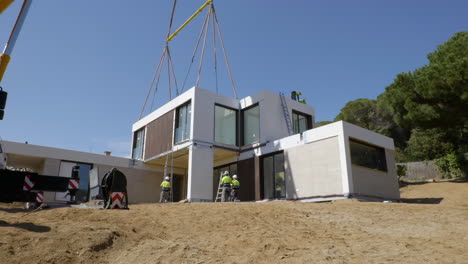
{"x": 166, "y": 174}
{"x": 219, "y": 193}
{"x": 284, "y": 106}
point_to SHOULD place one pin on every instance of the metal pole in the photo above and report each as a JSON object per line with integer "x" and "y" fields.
{"x": 172, "y": 176}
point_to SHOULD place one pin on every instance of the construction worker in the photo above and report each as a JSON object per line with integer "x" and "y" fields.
{"x": 226, "y": 183}
{"x": 235, "y": 185}
{"x": 165, "y": 190}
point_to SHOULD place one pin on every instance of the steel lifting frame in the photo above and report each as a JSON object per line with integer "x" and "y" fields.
{"x": 188, "y": 20}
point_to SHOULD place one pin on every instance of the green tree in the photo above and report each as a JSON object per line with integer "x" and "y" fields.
{"x": 322, "y": 123}
{"x": 435, "y": 95}
{"x": 368, "y": 114}
{"x": 428, "y": 144}
{"x": 432, "y": 102}
{"x": 364, "y": 113}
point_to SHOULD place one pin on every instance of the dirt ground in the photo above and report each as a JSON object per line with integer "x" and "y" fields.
{"x": 431, "y": 227}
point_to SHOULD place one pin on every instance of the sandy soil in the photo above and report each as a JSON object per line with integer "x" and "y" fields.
{"x": 272, "y": 232}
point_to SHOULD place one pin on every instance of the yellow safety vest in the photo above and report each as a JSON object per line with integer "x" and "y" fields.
{"x": 226, "y": 179}
{"x": 166, "y": 184}
{"x": 235, "y": 183}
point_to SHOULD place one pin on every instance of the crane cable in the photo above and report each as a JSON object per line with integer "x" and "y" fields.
{"x": 172, "y": 19}
{"x": 170, "y": 64}
{"x": 203, "y": 49}
{"x": 224, "y": 52}
{"x": 166, "y": 51}
{"x": 156, "y": 75}
{"x": 215, "y": 56}
{"x": 158, "y": 71}
{"x": 204, "y": 27}
{"x": 169, "y": 57}
{"x": 216, "y": 27}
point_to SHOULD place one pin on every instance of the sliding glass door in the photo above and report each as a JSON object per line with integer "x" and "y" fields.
{"x": 274, "y": 186}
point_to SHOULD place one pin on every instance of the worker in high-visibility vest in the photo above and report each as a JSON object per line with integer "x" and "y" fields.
{"x": 165, "y": 190}
{"x": 226, "y": 183}
{"x": 235, "y": 186}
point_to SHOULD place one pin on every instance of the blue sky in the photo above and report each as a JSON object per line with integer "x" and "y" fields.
{"x": 80, "y": 70}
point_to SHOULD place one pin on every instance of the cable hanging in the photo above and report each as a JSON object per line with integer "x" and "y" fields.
{"x": 157, "y": 73}
{"x": 203, "y": 49}
{"x": 214, "y": 55}
{"x": 204, "y": 27}
{"x": 224, "y": 52}
{"x": 212, "y": 18}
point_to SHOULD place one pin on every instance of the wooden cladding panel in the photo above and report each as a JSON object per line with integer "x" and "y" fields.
{"x": 246, "y": 174}
{"x": 159, "y": 135}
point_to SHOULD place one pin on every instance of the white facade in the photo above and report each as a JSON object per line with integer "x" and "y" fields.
{"x": 330, "y": 174}
{"x": 272, "y": 121}
{"x": 336, "y": 161}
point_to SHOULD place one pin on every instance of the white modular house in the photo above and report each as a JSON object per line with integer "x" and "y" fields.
{"x": 269, "y": 142}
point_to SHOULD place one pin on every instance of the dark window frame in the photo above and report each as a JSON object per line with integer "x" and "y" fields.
{"x": 225, "y": 165}
{"x": 176, "y": 121}
{"x": 237, "y": 123}
{"x": 307, "y": 116}
{"x": 142, "y": 144}
{"x": 380, "y": 149}
{"x": 242, "y": 124}
{"x": 262, "y": 173}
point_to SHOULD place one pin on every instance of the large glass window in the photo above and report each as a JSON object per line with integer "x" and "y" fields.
{"x": 138, "y": 142}
{"x": 83, "y": 188}
{"x": 301, "y": 122}
{"x": 274, "y": 186}
{"x": 65, "y": 170}
{"x": 368, "y": 156}
{"x": 183, "y": 119}
{"x": 225, "y": 125}
{"x": 251, "y": 123}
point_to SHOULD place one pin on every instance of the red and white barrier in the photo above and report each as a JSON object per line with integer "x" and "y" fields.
{"x": 40, "y": 197}
{"x": 117, "y": 200}
{"x": 73, "y": 184}
{"x": 28, "y": 183}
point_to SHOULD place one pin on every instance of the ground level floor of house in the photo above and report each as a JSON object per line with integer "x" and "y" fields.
{"x": 336, "y": 161}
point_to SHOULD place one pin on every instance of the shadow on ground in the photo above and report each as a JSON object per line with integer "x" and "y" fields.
{"x": 15, "y": 210}
{"x": 408, "y": 183}
{"x": 27, "y": 226}
{"x": 423, "y": 200}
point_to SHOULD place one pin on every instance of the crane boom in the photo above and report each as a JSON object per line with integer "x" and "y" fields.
{"x": 5, "y": 4}
{"x": 5, "y": 56}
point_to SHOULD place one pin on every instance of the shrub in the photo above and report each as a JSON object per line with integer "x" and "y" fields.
{"x": 450, "y": 166}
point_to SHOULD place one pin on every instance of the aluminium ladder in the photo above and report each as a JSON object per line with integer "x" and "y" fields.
{"x": 286, "y": 113}
{"x": 219, "y": 193}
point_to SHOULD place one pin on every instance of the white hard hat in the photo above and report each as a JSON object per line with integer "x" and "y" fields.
{"x": 235, "y": 176}
{"x": 167, "y": 178}
{"x": 226, "y": 173}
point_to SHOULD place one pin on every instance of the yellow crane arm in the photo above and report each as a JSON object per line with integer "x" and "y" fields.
{"x": 4, "y": 4}
{"x": 188, "y": 20}
{"x": 4, "y": 60}
{"x": 5, "y": 55}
